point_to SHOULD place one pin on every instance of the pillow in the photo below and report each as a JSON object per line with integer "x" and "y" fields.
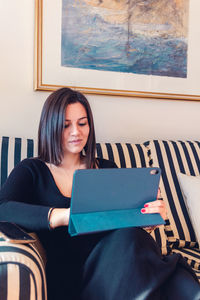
{"x": 190, "y": 186}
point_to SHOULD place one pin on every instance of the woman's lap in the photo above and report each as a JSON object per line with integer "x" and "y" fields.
{"x": 127, "y": 264}
{"x": 120, "y": 264}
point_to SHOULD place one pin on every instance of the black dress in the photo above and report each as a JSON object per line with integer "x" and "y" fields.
{"x": 123, "y": 264}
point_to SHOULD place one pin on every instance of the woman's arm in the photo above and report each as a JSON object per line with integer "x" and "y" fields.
{"x": 58, "y": 217}
{"x": 17, "y": 203}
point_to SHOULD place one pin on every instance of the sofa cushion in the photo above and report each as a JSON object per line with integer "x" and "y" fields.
{"x": 190, "y": 185}
{"x": 124, "y": 155}
{"x": 12, "y": 151}
{"x": 175, "y": 157}
{"x": 132, "y": 156}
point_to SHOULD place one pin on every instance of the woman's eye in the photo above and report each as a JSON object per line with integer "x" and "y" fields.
{"x": 82, "y": 124}
{"x": 66, "y": 126}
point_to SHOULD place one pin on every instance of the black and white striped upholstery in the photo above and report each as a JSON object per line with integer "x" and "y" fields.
{"x": 124, "y": 155}
{"x": 22, "y": 273}
{"x": 12, "y": 151}
{"x": 174, "y": 157}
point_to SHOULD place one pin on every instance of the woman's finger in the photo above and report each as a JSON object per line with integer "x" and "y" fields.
{"x": 157, "y": 206}
{"x": 152, "y": 210}
{"x": 155, "y": 203}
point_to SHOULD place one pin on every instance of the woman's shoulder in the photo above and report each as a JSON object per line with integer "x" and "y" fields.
{"x": 105, "y": 163}
{"x": 28, "y": 168}
{"x": 30, "y": 163}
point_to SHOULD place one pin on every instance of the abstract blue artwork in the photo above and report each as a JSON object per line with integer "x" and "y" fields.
{"x": 133, "y": 36}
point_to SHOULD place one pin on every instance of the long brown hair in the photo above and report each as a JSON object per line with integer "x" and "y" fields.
{"x": 52, "y": 123}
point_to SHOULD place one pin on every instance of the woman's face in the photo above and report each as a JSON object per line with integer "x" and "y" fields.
{"x": 76, "y": 131}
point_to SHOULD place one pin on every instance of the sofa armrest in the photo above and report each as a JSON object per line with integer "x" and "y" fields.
{"x": 22, "y": 272}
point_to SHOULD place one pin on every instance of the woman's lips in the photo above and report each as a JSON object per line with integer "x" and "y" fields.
{"x": 75, "y": 141}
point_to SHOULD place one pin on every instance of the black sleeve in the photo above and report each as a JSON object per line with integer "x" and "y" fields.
{"x": 17, "y": 203}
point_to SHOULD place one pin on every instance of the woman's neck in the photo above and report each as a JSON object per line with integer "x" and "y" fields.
{"x": 71, "y": 161}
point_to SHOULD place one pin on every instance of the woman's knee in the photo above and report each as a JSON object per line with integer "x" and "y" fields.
{"x": 182, "y": 285}
{"x": 130, "y": 238}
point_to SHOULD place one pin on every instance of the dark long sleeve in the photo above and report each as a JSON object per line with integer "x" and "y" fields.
{"x": 18, "y": 202}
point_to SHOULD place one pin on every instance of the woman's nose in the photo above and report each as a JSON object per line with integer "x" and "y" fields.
{"x": 75, "y": 130}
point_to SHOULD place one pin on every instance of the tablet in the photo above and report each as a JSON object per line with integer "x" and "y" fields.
{"x": 107, "y": 199}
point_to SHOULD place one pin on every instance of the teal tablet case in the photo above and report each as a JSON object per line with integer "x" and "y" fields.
{"x": 106, "y": 199}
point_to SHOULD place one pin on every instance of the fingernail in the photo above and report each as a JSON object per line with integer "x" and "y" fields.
{"x": 146, "y": 205}
{"x": 143, "y": 210}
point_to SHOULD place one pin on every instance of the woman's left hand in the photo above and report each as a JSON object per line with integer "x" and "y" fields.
{"x": 157, "y": 206}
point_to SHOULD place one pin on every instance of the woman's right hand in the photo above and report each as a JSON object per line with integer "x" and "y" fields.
{"x": 59, "y": 217}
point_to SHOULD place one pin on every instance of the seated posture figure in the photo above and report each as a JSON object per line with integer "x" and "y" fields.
{"x": 124, "y": 264}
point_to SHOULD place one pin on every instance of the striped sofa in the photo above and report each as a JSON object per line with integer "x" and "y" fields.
{"x": 24, "y": 263}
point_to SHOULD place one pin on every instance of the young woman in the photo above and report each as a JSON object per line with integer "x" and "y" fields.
{"x": 123, "y": 264}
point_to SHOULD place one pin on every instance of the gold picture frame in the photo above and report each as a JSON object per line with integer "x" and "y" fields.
{"x": 45, "y": 34}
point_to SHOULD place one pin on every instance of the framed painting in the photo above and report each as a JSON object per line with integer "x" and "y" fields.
{"x": 126, "y": 48}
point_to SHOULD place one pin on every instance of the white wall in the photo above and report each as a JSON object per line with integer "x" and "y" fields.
{"x": 117, "y": 119}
